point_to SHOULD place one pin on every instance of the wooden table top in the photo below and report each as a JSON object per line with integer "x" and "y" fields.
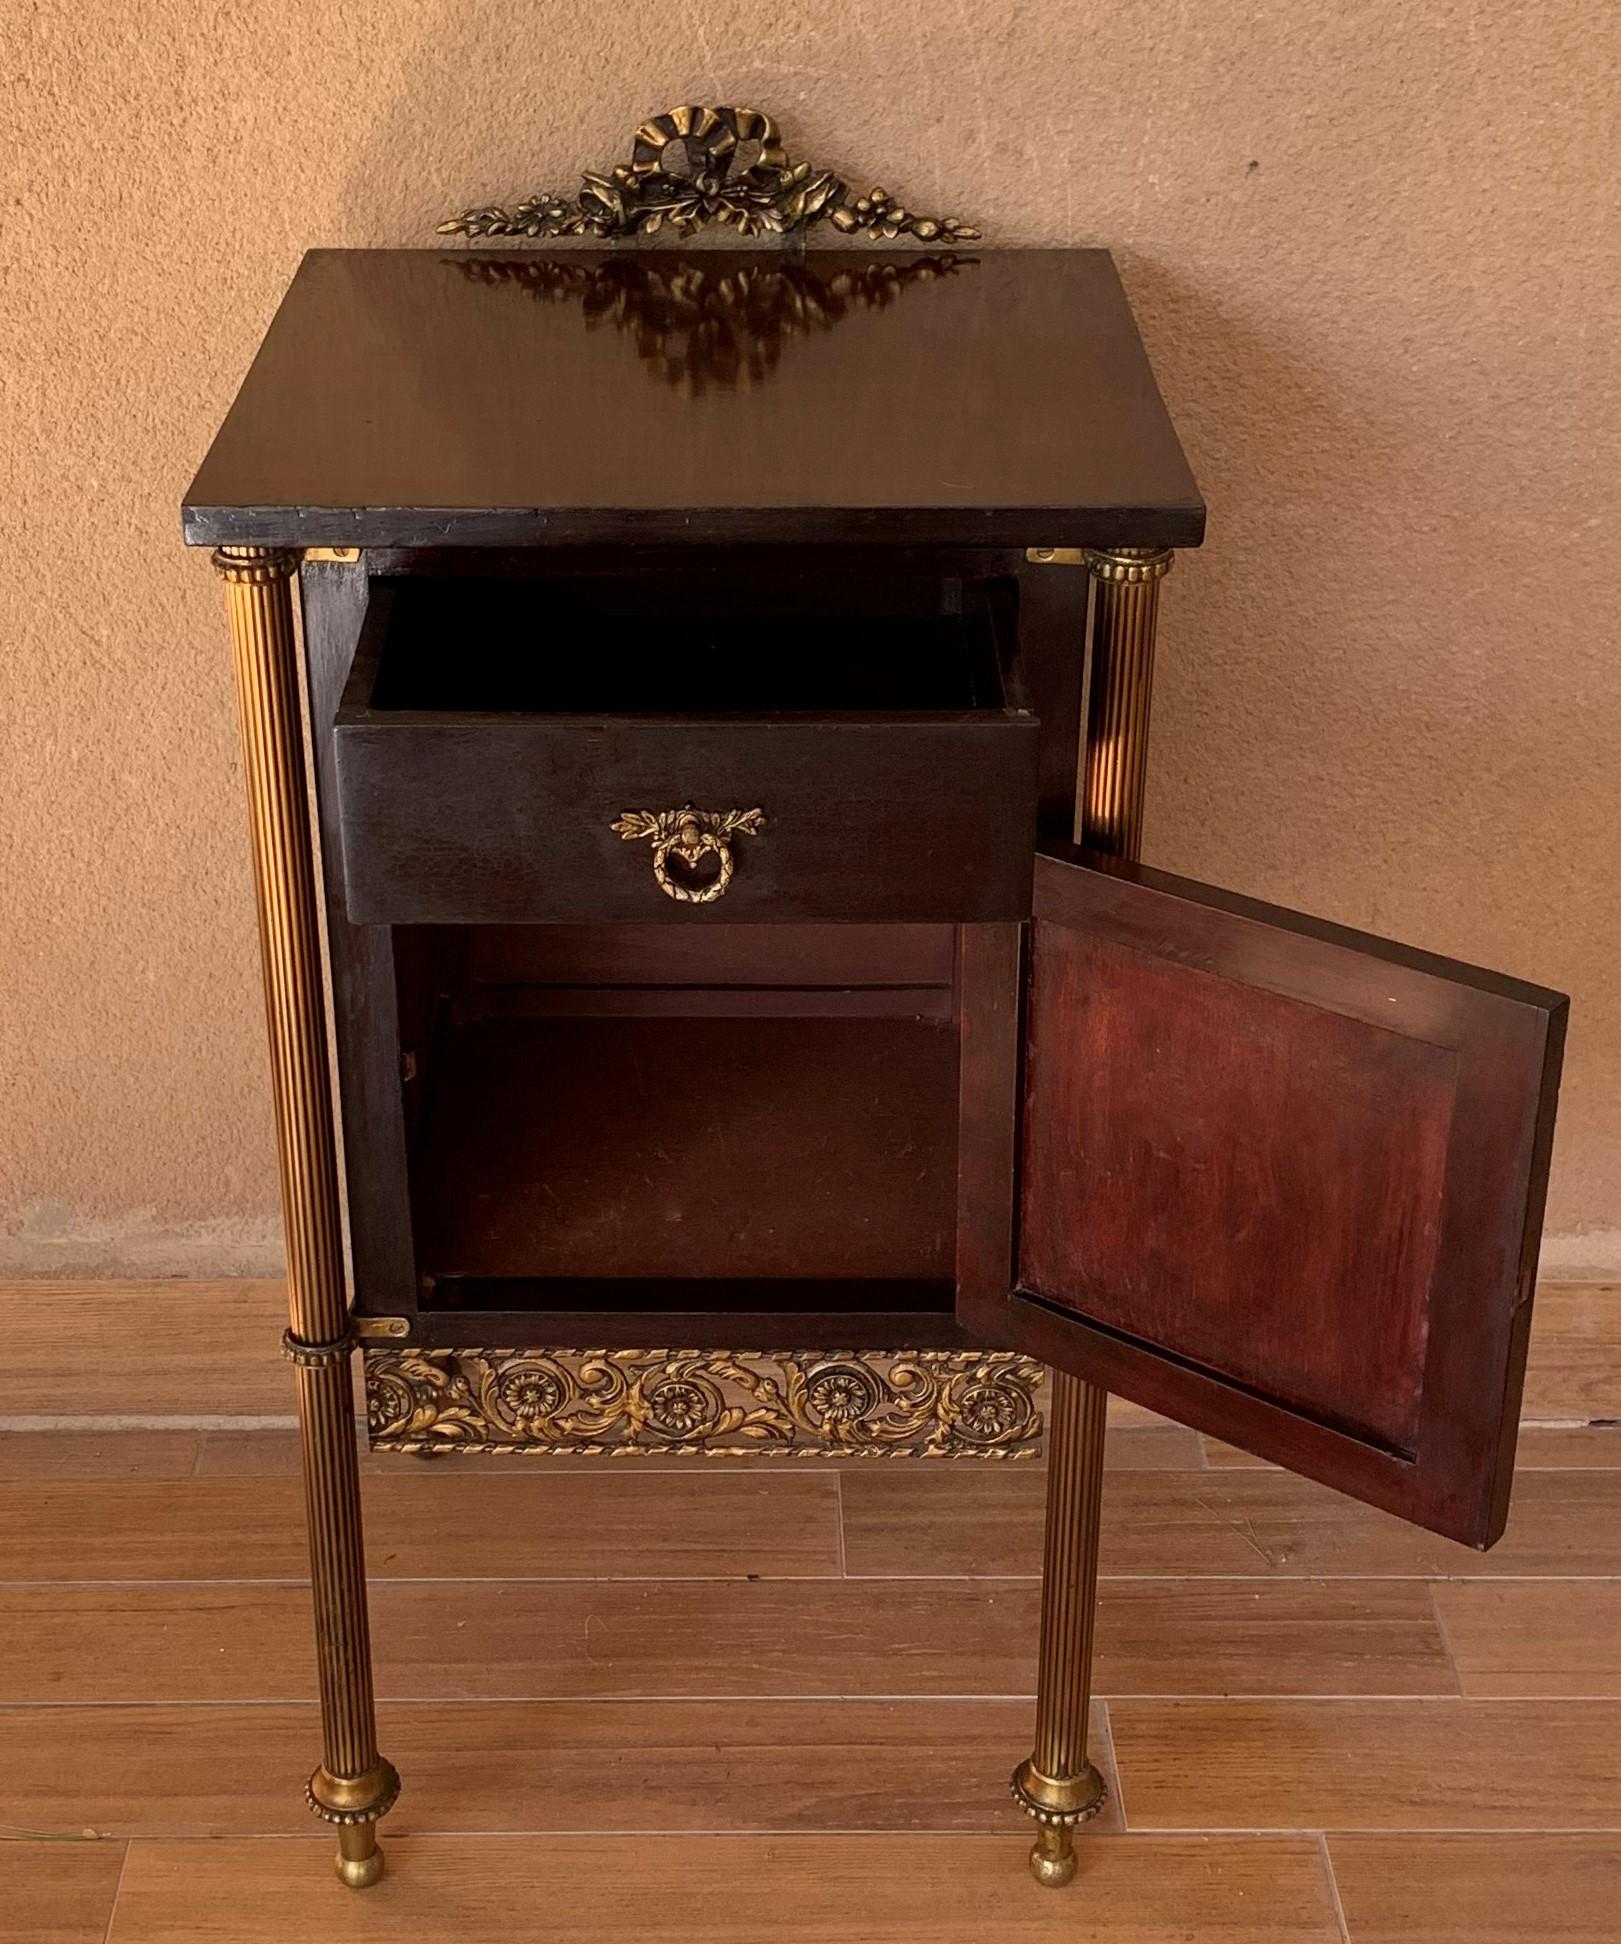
{"x": 432, "y": 397}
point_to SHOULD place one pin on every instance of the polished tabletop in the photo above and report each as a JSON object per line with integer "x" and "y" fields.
{"x": 430, "y": 397}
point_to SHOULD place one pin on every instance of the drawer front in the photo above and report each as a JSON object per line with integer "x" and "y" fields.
{"x": 476, "y": 821}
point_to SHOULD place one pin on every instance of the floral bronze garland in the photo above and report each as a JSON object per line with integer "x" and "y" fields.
{"x": 693, "y": 166}
{"x": 798, "y": 1403}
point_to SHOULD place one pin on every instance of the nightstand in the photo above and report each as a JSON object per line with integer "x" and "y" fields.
{"x": 725, "y": 678}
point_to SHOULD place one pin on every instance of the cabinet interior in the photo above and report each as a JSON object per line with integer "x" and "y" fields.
{"x": 616, "y": 1123}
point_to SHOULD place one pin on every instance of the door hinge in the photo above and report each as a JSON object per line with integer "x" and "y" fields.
{"x": 369, "y": 1328}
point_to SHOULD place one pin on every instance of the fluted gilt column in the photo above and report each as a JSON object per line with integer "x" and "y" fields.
{"x": 1059, "y": 1785}
{"x": 1125, "y": 613}
{"x": 354, "y": 1785}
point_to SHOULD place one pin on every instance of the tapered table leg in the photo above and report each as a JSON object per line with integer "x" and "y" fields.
{"x": 1058, "y": 1785}
{"x": 354, "y": 1785}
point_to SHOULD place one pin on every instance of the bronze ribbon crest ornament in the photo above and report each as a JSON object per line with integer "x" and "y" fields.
{"x": 694, "y": 166}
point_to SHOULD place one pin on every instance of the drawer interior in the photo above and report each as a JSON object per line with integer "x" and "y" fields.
{"x": 495, "y": 731}
{"x": 579, "y": 646}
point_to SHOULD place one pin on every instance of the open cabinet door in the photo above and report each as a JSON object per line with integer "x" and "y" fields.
{"x": 1284, "y": 1182}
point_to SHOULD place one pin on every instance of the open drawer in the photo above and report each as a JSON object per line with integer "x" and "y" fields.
{"x": 564, "y": 750}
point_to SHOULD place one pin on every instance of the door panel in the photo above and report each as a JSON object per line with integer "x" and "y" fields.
{"x": 1284, "y": 1182}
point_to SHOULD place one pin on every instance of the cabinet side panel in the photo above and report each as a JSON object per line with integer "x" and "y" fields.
{"x": 1052, "y": 652}
{"x": 360, "y": 968}
{"x": 988, "y": 1083}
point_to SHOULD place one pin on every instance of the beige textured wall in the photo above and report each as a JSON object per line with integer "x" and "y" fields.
{"x": 1373, "y": 244}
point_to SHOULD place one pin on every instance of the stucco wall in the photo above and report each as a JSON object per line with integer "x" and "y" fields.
{"x": 1373, "y": 244}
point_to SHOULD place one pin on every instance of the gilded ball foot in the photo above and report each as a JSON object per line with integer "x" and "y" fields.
{"x": 1052, "y": 1856}
{"x": 359, "y": 1861}
{"x": 353, "y": 1803}
{"x": 1059, "y": 1804}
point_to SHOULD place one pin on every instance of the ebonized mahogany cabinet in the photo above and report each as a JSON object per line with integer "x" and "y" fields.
{"x": 709, "y": 663}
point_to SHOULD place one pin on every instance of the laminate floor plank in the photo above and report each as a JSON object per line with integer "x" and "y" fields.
{"x": 449, "y": 1522}
{"x": 729, "y": 1890}
{"x": 1226, "y": 1457}
{"x": 275, "y": 1454}
{"x": 1177, "y": 1636}
{"x": 1579, "y": 1447}
{"x": 621, "y": 1639}
{"x": 1235, "y": 1522}
{"x": 1574, "y": 1369}
{"x": 1527, "y": 1637}
{"x": 1415, "y": 1765}
{"x": 506, "y": 1767}
{"x": 1123, "y": 1412}
{"x": 58, "y": 1893}
{"x": 1151, "y": 1447}
{"x": 175, "y": 1347}
{"x": 35, "y": 1456}
{"x": 1479, "y": 1889}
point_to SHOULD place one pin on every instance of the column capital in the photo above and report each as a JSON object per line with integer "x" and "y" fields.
{"x": 1129, "y": 566}
{"x": 254, "y": 566}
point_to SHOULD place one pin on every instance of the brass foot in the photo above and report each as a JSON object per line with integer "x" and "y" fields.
{"x": 1057, "y": 1804}
{"x": 359, "y": 1861}
{"x": 1052, "y": 1855}
{"x": 354, "y": 1803}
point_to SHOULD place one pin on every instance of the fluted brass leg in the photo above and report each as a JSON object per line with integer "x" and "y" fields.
{"x": 1059, "y": 1786}
{"x": 1125, "y": 612}
{"x": 354, "y": 1786}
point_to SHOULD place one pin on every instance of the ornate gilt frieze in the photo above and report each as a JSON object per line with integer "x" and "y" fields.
{"x": 696, "y": 165}
{"x": 716, "y": 1403}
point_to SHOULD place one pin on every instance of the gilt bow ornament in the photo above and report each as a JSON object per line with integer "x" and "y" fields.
{"x": 693, "y": 166}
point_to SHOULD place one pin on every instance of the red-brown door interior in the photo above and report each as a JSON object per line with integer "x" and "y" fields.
{"x": 1284, "y": 1182}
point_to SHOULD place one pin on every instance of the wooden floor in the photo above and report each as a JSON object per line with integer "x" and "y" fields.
{"x": 724, "y": 1703}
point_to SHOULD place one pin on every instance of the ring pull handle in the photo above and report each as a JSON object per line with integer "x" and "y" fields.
{"x": 685, "y": 838}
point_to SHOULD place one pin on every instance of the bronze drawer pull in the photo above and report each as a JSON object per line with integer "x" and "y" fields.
{"x": 688, "y": 835}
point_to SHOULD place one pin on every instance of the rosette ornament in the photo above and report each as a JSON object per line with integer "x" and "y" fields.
{"x": 693, "y": 166}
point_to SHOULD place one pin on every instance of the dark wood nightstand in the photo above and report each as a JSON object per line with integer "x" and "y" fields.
{"x": 710, "y": 662}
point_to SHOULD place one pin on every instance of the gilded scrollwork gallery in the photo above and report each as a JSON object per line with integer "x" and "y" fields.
{"x": 695, "y": 165}
{"x": 920, "y": 1403}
